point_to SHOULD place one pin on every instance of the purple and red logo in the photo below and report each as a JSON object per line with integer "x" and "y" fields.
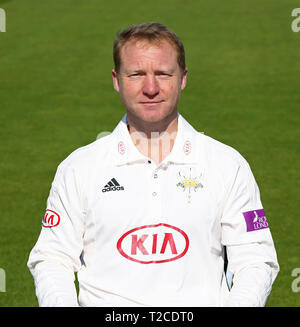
{"x": 255, "y": 220}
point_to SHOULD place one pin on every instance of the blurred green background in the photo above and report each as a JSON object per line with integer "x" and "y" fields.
{"x": 56, "y": 95}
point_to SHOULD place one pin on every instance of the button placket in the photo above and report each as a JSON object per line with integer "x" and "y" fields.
{"x": 155, "y": 183}
{"x": 154, "y": 195}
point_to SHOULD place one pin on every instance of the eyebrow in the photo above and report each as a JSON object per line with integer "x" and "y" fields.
{"x": 138, "y": 70}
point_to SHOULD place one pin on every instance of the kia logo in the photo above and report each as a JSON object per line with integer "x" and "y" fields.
{"x": 51, "y": 219}
{"x": 153, "y": 244}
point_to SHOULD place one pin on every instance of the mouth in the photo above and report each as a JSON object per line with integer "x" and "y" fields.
{"x": 151, "y": 103}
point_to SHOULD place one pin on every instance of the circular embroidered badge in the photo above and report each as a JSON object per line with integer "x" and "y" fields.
{"x": 187, "y": 147}
{"x": 121, "y": 147}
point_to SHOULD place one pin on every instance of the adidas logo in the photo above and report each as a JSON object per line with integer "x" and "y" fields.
{"x": 112, "y": 185}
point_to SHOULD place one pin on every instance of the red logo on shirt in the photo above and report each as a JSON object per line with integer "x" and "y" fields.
{"x": 153, "y": 244}
{"x": 121, "y": 147}
{"x": 51, "y": 219}
{"x": 187, "y": 147}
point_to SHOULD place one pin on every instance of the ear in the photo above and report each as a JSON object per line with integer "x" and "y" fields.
{"x": 115, "y": 80}
{"x": 183, "y": 79}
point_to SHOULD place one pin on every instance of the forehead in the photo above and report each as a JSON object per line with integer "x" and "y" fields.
{"x": 139, "y": 52}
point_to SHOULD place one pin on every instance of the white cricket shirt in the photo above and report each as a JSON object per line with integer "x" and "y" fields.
{"x": 139, "y": 233}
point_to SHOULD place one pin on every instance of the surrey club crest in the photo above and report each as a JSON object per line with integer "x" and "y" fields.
{"x": 189, "y": 183}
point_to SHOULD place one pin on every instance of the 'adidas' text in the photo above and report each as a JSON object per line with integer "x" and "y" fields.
{"x": 114, "y": 188}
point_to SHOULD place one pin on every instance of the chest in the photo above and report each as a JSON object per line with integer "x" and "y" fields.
{"x": 153, "y": 210}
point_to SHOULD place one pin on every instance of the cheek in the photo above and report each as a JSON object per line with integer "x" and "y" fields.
{"x": 173, "y": 87}
{"x": 173, "y": 91}
{"x": 129, "y": 91}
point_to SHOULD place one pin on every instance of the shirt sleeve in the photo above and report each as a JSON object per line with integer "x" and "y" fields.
{"x": 246, "y": 234}
{"x": 56, "y": 254}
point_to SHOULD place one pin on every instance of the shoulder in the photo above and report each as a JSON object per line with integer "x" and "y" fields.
{"x": 215, "y": 147}
{"x": 211, "y": 150}
{"x": 86, "y": 157}
{"x": 221, "y": 156}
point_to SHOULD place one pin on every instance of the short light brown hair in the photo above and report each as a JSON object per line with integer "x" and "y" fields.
{"x": 151, "y": 32}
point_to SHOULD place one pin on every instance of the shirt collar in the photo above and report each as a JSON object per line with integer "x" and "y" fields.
{"x": 184, "y": 150}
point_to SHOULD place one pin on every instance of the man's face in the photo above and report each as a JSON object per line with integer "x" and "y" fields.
{"x": 149, "y": 81}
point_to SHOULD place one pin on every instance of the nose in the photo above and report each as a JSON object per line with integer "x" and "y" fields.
{"x": 150, "y": 87}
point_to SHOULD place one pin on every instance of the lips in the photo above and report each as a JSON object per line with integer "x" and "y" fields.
{"x": 151, "y": 103}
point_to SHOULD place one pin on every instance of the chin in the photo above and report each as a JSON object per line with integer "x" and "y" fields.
{"x": 151, "y": 115}
{"x": 156, "y": 115}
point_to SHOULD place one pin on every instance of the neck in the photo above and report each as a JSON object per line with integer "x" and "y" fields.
{"x": 154, "y": 140}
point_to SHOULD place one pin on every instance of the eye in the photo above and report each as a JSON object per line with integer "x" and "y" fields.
{"x": 137, "y": 74}
{"x": 163, "y": 74}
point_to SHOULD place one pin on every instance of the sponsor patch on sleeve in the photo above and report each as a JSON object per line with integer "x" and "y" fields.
{"x": 255, "y": 220}
{"x": 50, "y": 219}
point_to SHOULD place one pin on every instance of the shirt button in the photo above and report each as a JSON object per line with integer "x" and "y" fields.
{"x": 155, "y": 175}
{"x": 154, "y": 193}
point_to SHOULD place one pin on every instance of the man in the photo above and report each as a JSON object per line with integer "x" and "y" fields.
{"x": 148, "y": 214}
